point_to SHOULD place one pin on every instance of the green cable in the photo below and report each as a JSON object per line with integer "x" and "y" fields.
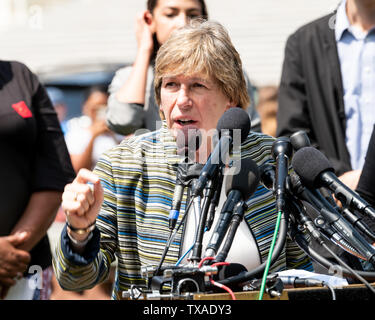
{"x": 263, "y": 286}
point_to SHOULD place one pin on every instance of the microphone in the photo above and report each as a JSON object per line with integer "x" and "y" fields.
{"x": 316, "y": 171}
{"x": 281, "y": 152}
{"x": 238, "y": 187}
{"x": 239, "y": 211}
{"x": 267, "y": 175}
{"x": 212, "y": 189}
{"x": 187, "y": 145}
{"x": 297, "y": 282}
{"x": 232, "y": 119}
{"x": 193, "y": 171}
{"x": 299, "y": 140}
{"x": 332, "y": 216}
{"x": 294, "y": 186}
{"x": 177, "y": 195}
{"x": 214, "y": 202}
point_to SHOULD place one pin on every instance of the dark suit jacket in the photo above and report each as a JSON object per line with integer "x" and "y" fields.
{"x": 311, "y": 92}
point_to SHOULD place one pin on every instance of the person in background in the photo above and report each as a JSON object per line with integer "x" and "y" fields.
{"x": 366, "y": 187}
{"x": 57, "y": 98}
{"x": 327, "y": 85}
{"x": 267, "y": 108}
{"x": 327, "y": 89}
{"x": 131, "y": 103}
{"x": 88, "y": 136}
{"x": 121, "y": 209}
{"x": 35, "y": 167}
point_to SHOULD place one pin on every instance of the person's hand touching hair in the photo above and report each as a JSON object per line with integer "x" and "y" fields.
{"x": 144, "y": 33}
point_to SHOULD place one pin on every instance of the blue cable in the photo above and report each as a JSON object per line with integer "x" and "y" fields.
{"x": 184, "y": 255}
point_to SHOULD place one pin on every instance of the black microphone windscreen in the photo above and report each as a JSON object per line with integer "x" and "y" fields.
{"x": 233, "y": 269}
{"x": 309, "y": 163}
{"x": 235, "y": 118}
{"x": 246, "y": 180}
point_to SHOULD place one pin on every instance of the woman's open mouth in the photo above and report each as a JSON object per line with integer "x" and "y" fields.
{"x": 185, "y": 122}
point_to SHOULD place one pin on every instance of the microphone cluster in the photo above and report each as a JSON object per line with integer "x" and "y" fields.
{"x": 238, "y": 187}
{"x": 299, "y": 176}
{"x": 310, "y": 180}
{"x": 204, "y": 184}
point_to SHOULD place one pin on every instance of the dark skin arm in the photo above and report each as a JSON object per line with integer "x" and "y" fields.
{"x": 29, "y": 230}
{"x": 13, "y": 261}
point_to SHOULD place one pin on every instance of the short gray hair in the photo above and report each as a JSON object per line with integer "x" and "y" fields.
{"x": 203, "y": 47}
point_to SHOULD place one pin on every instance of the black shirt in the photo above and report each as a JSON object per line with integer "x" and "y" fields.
{"x": 34, "y": 156}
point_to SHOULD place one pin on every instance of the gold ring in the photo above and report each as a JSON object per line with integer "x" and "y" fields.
{"x": 75, "y": 196}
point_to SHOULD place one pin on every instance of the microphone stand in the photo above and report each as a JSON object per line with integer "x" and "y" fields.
{"x": 279, "y": 245}
{"x": 303, "y": 243}
{"x": 192, "y": 173}
{"x": 238, "y": 214}
{"x": 304, "y": 220}
{"x": 214, "y": 203}
{"x": 300, "y": 220}
{"x": 208, "y": 198}
{"x": 342, "y": 226}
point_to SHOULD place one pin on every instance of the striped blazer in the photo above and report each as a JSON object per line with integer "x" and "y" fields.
{"x": 138, "y": 177}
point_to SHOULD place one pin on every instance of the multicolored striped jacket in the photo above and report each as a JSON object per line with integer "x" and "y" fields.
{"x": 138, "y": 177}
